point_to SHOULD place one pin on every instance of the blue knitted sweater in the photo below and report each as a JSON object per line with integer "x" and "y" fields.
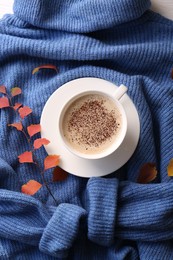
{"x": 113, "y": 217}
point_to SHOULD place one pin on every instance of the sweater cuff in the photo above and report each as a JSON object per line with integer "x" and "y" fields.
{"x": 102, "y": 195}
{"x": 62, "y": 230}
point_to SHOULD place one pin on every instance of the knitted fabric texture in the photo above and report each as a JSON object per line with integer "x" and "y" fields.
{"x": 97, "y": 218}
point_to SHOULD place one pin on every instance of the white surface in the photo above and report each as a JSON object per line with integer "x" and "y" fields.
{"x": 6, "y": 6}
{"x": 70, "y": 162}
{"x": 164, "y": 7}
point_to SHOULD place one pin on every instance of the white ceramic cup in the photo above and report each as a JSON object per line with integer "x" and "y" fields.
{"x": 116, "y": 98}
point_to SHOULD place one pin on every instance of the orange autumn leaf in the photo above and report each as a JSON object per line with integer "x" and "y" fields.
{"x": 46, "y": 66}
{"x": 18, "y": 126}
{"x": 16, "y": 91}
{"x": 33, "y": 129}
{"x": 17, "y": 105}
{"x": 40, "y": 142}
{"x": 170, "y": 168}
{"x": 148, "y": 173}
{"x": 4, "y": 102}
{"x": 24, "y": 111}
{"x": 26, "y": 157}
{"x": 3, "y": 89}
{"x": 31, "y": 187}
{"x": 51, "y": 161}
{"x": 59, "y": 174}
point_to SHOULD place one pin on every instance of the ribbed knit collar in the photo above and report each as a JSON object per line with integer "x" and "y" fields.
{"x": 77, "y": 15}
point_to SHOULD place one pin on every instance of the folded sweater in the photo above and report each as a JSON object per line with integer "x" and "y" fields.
{"x": 112, "y": 217}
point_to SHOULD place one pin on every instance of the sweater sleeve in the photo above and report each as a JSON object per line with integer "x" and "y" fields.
{"x": 128, "y": 210}
{"x": 113, "y": 210}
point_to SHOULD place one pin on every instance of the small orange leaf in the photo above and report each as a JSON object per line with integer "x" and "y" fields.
{"x": 39, "y": 142}
{"x": 170, "y": 168}
{"x": 17, "y": 105}
{"x": 46, "y": 66}
{"x": 31, "y": 187}
{"x": 148, "y": 173}
{"x": 4, "y": 102}
{"x": 16, "y": 91}
{"x": 51, "y": 161}
{"x": 33, "y": 129}
{"x": 59, "y": 174}
{"x": 24, "y": 111}
{"x": 26, "y": 157}
{"x": 3, "y": 89}
{"x": 18, "y": 126}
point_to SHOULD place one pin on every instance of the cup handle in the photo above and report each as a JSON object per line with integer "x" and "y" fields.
{"x": 120, "y": 91}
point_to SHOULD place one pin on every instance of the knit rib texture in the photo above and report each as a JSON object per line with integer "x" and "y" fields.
{"x": 106, "y": 218}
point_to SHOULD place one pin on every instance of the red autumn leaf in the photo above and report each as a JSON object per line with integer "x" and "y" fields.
{"x": 24, "y": 111}
{"x": 26, "y": 157}
{"x": 170, "y": 168}
{"x": 17, "y": 105}
{"x": 31, "y": 187}
{"x": 18, "y": 126}
{"x": 16, "y": 91}
{"x": 3, "y": 89}
{"x": 4, "y": 102}
{"x": 148, "y": 173}
{"x": 59, "y": 174}
{"x": 33, "y": 129}
{"x": 51, "y": 161}
{"x": 39, "y": 142}
{"x": 46, "y": 66}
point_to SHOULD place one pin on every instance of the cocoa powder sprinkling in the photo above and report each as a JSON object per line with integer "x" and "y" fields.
{"x": 92, "y": 123}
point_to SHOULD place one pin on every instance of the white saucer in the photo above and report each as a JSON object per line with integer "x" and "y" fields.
{"x": 70, "y": 162}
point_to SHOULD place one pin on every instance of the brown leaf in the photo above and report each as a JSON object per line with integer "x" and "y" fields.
{"x": 33, "y": 129}
{"x": 40, "y": 142}
{"x": 51, "y": 161}
{"x": 24, "y": 111}
{"x": 172, "y": 74}
{"x": 3, "y": 90}
{"x": 148, "y": 173}
{"x": 59, "y": 174}
{"x": 18, "y": 126}
{"x": 17, "y": 105}
{"x": 16, "y": 91}
{"x": 46, "y": 66}
{"x": 26, "y": 157}
{"x": 170, "y": 168}
{"x": 31, "y": 187}
{"x": 4, "y": 102}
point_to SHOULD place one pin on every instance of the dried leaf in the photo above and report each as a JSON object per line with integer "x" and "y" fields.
{"x": 51, "y": 161}
{"x": 33, "y": 129}
{"x": 16, "y": 91}
{"x": 31, "y": 187}
{"x": 172, "y": 74}
{"x": 59, "y": 174}
{"x": 17, "y": 105}
{"x": 46, "y": 66}
{"x": 18, "y": 126}
{"x": 24, "y": 111}
{"x": 170, "y": 168}
{"x": 148, "y": 173}
{"x": 3, "y": 89}
{"x": 26, "y": 157}
{"x": 4, "y": 102}
{"x": 40, "y": 142}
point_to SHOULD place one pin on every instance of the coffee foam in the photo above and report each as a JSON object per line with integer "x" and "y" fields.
{"x": 92, "y": 123}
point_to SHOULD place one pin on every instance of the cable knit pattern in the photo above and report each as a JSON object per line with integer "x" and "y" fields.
{"x": 99, "y": 218}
